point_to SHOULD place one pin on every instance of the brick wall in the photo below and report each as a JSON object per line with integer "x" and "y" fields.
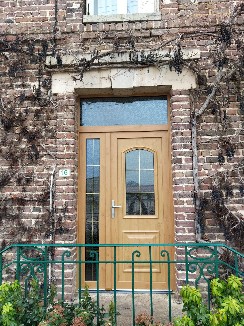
{"x": 60, "y": 23}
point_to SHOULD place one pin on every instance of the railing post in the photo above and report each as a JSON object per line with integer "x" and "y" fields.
{"x": 97, "y": 281}
{"x": 137, "y": 254}
{"x": 67, "y": 253}
{"x": 18, "y": 263}
{"x": 216, "y": 261}
{"x": 150, "y": 264}
{"x": 115, "y": 285}
{"x": 79, "y": 276}
{"x": 46, "y": 281}
{"x": 186, "y": 265}
{"x": 236, "y": 265}
{"x": 1, "y": 268}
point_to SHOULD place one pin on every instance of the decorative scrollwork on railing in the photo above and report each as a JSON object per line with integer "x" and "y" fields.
{"x": 31, "y": 263}
{"x": 135, "y": 253}
{"x": 94, "y": 255}
{"x": 202, "y": 261}
{"x": 201, "y": 253}
{"x": 165, "y": 254}
{"x": 193, "y": 267}
{"x": 32, "y": 253}
{"x": 66, "y": 254}
{"x": 206, "y": 273}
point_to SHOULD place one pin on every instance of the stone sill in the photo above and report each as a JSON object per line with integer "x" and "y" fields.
{"x": 88, "y": 19}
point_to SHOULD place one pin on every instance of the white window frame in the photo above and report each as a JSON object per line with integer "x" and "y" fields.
{"x": 122, "y": 15}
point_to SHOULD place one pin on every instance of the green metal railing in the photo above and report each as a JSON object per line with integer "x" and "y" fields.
{"x": 199, "y": 262}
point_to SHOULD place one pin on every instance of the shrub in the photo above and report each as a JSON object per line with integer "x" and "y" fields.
{"x": 227, "y": 304}
{"x": 16, "y": 309}
{"x": 71, "y": 314}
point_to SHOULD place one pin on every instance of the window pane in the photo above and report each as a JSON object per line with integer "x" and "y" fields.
{"x": 148, "y": 203}
{"x": 92, "y": 208}
{"x": 133, "y": 204}
{"x": 132, "y": 181}
{"x": 105, "y": 7}
{"x": 139, "y": 175}
{"x": 124, "y": 111}
{"x": 110, "y": 7}
{"x": 140, "y": 204}
{"x": 132, "y": 160}
{"x": 147, "y": 181}
{"x": 92, "y": 179}
{"x": 92, "y": 204}
{"x": 132, "y": 6}
{"x": 146, "y": 6}
{"x": 92, "y": 152}
{"x": 146, "y": 159}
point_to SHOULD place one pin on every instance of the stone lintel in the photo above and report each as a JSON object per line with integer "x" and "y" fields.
{"x": 124, "y": 81}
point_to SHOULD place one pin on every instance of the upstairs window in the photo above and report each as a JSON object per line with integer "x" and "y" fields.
{"x": 113, "y": 7}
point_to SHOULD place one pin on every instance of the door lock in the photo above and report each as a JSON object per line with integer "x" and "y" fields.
{"x": 113, "y": 208}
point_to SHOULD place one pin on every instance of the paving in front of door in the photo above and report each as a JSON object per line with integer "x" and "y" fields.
{"x": 142, "y": 306}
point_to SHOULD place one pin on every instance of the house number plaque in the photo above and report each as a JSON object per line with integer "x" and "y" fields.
{"x": 64, "y": 173}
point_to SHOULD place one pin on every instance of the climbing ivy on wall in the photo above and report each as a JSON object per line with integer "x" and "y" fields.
{"x": 28, "y": 122}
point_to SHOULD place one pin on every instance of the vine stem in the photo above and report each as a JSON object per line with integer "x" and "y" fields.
{"x": 194, "y": 117}
{"x": 198, "y": 230}
{"x": 51, "y": 209}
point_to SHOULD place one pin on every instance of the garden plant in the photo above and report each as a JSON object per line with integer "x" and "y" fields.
{"x": 18, "y": 309}
{"x": 227, "y": 304}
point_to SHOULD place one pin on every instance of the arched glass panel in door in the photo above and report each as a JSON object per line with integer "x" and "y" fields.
{"x": 139, "y": 175}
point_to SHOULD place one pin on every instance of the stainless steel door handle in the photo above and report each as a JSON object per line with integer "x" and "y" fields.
{"x": 113, "y": 208}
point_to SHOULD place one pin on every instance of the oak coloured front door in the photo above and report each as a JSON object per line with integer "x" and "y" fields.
{"x": 125, "y": 197}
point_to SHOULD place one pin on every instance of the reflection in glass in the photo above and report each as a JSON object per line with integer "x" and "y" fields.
{"x": 132, "y": 184}
{"x": 92, "y": 152}
{"x": 92, "y": 179}
{"x": 139, "y": 175}
{"x": 146, "y": 160}
{"x": 124, "y": 111}
{"x": 147, "y": 181}
{"x": 92, "y": 205}
{"x": 140, "y": 204}
{"x": 131, "y": 160}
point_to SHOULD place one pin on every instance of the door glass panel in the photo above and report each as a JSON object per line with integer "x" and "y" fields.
{"x": 139, "y": 176}
{"x": 132, "y": 160}
{"x": 92, "y": 179}
{"x": 146, "y": 160}
{"x": 124, "y": 111}
{"x": 132, "y": 184}
{"x": 92, "y": 204}
{"x": 147, "y": 181}
{"x": 92, "y": 152}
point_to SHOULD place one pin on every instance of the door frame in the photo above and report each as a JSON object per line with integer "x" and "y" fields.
{"x": 104, "y": 132}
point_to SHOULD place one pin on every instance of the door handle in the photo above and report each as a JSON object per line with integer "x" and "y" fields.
{"x": 113, "y": 208}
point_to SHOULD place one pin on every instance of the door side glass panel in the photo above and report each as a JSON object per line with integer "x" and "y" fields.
{"x": 92, "y": 205}
{"x": 124, "y": 111}
{"x": 139, "y": 177}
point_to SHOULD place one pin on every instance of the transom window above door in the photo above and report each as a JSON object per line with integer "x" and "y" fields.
{"x": 123, "y": 111}
{"x": 111, "y": 7}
